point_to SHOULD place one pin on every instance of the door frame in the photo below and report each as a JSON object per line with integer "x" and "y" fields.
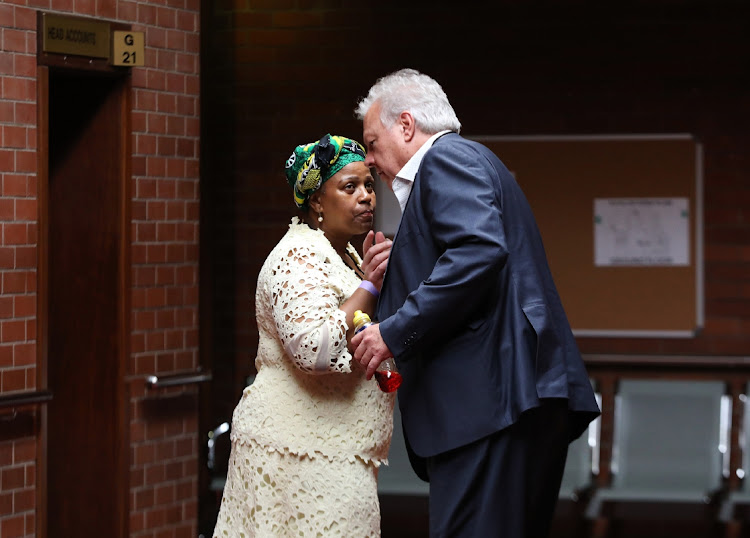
{"x": 46, "y": 62}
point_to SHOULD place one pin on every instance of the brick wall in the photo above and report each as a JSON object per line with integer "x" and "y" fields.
{"x": 18, "y": 213}
{"x": 165, "y": 214}
{"x": 164, "y": 255}
{"x": 289, "y": 71}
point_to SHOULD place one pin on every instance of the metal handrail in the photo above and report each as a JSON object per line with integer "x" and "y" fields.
{"x": 25, "y": 398}
{"x": 173, "y": 380}
{"x": 22, "y": 399}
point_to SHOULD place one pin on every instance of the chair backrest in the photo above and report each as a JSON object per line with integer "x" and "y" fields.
{"x": 667, "y": 435}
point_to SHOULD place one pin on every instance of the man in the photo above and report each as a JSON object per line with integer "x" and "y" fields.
{"x": 494, "y": 387}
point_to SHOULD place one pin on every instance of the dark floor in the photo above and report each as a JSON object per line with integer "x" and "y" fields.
{"x": 406, "y": 517}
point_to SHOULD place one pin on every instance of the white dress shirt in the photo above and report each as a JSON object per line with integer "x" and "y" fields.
{"x": 404, "y": 180}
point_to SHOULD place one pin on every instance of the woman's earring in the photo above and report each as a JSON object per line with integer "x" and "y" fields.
{"x": 320, "y": 217}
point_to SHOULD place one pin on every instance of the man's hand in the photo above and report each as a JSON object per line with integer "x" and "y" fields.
{"x": 370, "y": 349}
{"x": 376, "y": 249}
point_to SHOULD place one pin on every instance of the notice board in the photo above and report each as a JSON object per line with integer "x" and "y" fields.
{"x": 592, "y": 197}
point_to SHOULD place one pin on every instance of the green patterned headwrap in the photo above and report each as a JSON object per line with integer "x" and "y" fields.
{"x": 313, "y": 164}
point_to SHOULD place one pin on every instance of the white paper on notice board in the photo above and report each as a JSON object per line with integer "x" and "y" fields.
{"x": 641, "y": 232}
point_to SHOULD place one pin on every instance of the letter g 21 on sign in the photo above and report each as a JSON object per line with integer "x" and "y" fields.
{"x": 127, "y": 48}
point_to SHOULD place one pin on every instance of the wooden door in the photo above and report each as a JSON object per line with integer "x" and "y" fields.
{"x": 83, "y": 246}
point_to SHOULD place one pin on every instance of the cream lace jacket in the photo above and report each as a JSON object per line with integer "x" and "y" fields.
{"x": 309, "y": 397}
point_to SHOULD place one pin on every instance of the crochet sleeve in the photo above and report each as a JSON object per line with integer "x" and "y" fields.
{"x": 306, "y": 312}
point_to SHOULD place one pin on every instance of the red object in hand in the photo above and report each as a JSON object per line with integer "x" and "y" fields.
{"x": 388, "y": 381}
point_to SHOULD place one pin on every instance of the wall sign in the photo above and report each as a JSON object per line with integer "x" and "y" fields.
{"x": 127, "y": 48}
{"x": 75, "y": 35}
{"x": 91, "y": 38}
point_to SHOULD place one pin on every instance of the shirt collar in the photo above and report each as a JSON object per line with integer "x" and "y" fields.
{"x": 404, "y": 180}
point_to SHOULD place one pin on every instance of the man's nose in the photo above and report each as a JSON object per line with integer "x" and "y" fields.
{"x": 369, "y": 161}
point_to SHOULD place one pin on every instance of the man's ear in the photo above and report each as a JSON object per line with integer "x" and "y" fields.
{"x": 407, "y": 124}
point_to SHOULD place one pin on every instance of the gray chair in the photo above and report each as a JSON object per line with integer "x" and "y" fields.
{"x": 582, "y": 464}
{"x": 741, "y": 497}
{"x": 398, "y": 478}
{"x": 669, "y": 443}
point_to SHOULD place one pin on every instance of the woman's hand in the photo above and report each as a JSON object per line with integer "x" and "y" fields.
{"x": 376, "y": 250}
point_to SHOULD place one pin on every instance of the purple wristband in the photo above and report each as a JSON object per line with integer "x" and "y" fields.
{"x": 369, "y": 286}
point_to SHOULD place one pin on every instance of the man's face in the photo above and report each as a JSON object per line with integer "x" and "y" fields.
{"x": 387, "y": 151}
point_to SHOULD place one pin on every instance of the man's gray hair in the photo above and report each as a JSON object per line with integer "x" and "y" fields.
{"x": 412, "y": 91}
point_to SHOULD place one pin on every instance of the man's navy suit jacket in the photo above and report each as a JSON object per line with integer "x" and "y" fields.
{"x": 469, "y": 309}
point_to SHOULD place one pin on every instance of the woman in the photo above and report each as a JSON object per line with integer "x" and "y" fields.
{"x": 310, "y": 432}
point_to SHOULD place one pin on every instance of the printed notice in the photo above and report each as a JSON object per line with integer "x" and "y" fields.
{"x": 641, "y": 232}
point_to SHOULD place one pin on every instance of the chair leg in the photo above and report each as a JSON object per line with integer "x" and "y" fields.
{"x": 733, "y": 529}
{"x": 600, "y": 527}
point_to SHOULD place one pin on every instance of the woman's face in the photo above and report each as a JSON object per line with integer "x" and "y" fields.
{"x": 347, "y": 202}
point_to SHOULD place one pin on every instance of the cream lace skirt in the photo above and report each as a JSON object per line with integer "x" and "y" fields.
{"x": 269, "y": 494}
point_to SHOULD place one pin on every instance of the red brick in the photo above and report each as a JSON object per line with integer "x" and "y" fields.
{"x": 155, "y": 79}
{"x": 165, "y": 17}
{"x": 12, "y": 331}
{"x": 7, "y": 209}
{"x": 146, "y": 188}
{"x": 156, "y": 166}
{"x": 175, "y": 82}
{"x": 154, "y": 341}
{"x": 24, "y": 354}
{"x": 86, "y": 7}
{"x": 106, "y": 9}
{"x": 25, "y": 18}
{"x": 23, "y": 500}
{"x": 7, "y": 17}
{"x": 25, "y": 65}
{"x": 6, "y": 501}
{"x": 146, "y": 100}
{"x": 25, "y": 257}
{"x": 176, "y": 168}
{"x": 166, "y": 145}
{"x": 31, "y": 335}
{"x": 20, "y": 89}
{"x": 15, "y": 234}
{"x": 31, "y": 280}
{"x": 187, "y": 21}
{"x": 15, "y": 185}
{"x": 14, "y": 282}
{"x": 7, "y": 113}
{"x": 166, "y": 189}
{"x": 6, "y": 64}
{"x": 26, "y": 161}
{"x": 26, "y": 209}
{"x": 12, "y": 526}
{"x": 6, "y": 307}
{"x": 14, "y": 379}
{"x": 146, "y": 144}
{"x": 14, "y": 137}
{"x": 6, "y": 360}
{"x": 14, "y": 40}
{"x": 24, "y": 306}
{"x": 157, "y": 123}
{"x": 166, "y": 60}
{"x": 176, "y": 210}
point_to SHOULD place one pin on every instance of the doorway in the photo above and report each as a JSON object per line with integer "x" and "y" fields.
{"x": 84, "y": 271}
